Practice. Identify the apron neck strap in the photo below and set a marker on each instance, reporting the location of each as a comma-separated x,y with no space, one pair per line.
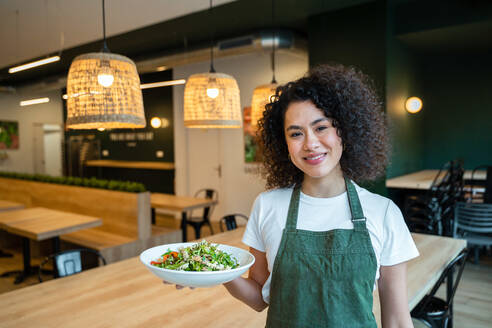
358,218
291,223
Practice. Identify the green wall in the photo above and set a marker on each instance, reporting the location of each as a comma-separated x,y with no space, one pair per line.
457,109
355,37
406,131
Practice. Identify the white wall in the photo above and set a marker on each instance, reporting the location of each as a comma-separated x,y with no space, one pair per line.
238,189
21,160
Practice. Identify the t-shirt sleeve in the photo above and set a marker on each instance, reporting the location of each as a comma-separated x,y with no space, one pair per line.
398,245
252,235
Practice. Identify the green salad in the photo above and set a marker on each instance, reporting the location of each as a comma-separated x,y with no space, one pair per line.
202,256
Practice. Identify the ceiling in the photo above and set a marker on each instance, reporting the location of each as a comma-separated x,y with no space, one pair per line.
141,38
29,29
163,27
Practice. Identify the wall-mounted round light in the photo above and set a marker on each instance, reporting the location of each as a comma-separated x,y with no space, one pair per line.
413,105
155,122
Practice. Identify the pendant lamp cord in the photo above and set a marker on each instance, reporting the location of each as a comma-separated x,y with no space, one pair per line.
105,46
212,69
273,43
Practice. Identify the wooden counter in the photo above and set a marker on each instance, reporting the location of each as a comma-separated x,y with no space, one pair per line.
131,164
126,294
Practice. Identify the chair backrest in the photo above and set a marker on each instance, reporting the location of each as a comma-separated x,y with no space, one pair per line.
210,194
458,263
473,217
69,262
228,222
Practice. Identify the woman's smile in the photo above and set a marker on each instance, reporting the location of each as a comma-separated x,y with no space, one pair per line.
315,159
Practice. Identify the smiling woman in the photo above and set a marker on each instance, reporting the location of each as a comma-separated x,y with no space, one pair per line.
320,241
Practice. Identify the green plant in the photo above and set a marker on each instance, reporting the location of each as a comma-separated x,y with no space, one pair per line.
93,182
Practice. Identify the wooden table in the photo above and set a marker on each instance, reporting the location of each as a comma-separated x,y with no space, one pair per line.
6,205
41,223
422,180
178,204
126,294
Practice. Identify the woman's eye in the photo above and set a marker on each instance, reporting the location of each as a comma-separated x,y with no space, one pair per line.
321,128
295,134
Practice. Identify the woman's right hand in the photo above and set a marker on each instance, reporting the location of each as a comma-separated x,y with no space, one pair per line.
177,286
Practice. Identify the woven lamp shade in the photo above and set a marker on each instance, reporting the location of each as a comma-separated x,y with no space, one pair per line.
203,111
90,105
261,97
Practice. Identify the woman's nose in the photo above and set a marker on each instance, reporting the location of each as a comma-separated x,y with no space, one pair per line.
311,142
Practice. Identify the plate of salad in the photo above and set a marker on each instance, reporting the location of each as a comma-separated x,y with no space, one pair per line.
201,264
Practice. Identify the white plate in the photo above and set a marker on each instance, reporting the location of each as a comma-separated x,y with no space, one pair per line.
193,278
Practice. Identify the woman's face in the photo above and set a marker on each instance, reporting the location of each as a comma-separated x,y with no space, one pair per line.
314,145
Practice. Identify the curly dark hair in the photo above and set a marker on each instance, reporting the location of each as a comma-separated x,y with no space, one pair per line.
345,95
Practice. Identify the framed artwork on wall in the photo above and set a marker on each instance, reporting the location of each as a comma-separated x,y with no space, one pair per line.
9,135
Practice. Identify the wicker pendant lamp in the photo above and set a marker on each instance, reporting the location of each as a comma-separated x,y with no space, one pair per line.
103,91
263,93
211,100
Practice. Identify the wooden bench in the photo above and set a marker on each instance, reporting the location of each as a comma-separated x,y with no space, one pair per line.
126,229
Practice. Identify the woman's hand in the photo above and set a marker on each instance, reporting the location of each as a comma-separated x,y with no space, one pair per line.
248,290
177,286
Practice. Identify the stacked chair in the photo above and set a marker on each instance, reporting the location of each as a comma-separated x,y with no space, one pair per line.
473,222
433,212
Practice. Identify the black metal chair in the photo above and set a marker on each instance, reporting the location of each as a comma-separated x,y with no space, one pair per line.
432,213
69,262
229,222
197,222
473,222
434,310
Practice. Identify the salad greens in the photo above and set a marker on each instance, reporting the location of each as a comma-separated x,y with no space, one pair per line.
202,256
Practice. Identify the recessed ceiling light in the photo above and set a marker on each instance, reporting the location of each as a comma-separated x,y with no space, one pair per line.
161,68
34,101
161,84
34,64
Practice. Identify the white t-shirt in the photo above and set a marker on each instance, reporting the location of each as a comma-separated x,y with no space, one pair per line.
389,234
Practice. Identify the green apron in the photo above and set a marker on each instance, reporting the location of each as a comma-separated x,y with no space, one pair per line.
323,278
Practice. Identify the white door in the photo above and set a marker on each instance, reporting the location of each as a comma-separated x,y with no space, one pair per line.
53,149
205,169
47,149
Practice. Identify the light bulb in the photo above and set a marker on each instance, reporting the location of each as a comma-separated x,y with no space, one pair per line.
413,105
155,122
105,79
212,92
